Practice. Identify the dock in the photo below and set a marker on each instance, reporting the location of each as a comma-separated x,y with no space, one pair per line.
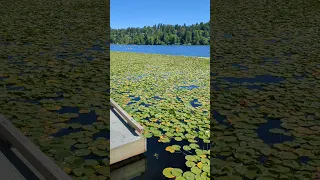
126,139
20,159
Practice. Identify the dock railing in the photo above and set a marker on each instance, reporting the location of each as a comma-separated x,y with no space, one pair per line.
127,117
32,156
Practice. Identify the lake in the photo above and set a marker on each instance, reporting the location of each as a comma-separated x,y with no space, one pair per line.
178,50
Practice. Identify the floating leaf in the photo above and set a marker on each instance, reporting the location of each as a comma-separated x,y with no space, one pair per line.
195,170
82,152
167,173
186,148
190,164
188,175
176,172
170,149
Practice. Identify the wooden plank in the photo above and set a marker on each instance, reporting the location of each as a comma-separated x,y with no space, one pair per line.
28,164
7,170
32,153
128,150
127,117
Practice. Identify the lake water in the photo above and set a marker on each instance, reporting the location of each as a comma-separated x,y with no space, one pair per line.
178,50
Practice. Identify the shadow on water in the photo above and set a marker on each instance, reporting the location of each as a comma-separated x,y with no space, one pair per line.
304,159
104,134
272,138
263,159
222,157
89,58
95,48
258,87
94,157
15,88
158,159
61,56
260,78
241,67
83,119
3,78
266,59
214,86
65,131
220,118
64,110
227,36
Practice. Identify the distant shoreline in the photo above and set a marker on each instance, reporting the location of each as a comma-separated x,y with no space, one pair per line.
162,54
156,45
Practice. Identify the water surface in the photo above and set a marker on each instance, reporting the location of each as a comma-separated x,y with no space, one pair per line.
178,50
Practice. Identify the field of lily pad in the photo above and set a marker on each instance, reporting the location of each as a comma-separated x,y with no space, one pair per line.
53,81
169,96
265,91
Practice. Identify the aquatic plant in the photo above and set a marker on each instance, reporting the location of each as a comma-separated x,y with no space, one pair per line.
166,118
49,89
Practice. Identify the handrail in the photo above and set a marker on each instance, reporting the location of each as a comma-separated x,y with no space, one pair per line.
33,154
127,117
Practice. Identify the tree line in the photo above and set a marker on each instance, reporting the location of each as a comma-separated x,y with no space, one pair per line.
161,34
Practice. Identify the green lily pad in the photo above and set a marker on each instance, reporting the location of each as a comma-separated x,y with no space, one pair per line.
103,171
186,148
190,164
167,173
82,152
176,172
188,175
195,170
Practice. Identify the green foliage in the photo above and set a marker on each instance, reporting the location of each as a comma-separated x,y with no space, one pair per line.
161,34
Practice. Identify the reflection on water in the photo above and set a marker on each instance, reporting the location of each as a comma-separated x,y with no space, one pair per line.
129,168
158,158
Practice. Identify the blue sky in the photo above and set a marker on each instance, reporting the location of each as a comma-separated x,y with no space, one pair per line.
139,13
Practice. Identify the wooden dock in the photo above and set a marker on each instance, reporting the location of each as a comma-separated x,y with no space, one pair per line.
20,159
126,138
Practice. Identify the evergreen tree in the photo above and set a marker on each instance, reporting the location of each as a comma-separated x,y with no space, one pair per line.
196,34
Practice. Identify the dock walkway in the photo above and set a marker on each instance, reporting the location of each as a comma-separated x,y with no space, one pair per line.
7,170
126,138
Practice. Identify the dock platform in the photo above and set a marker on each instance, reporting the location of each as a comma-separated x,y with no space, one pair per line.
126,139
20,159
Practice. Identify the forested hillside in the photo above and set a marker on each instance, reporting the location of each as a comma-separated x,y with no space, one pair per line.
161,34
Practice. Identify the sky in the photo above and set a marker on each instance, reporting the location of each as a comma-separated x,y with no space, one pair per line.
139,13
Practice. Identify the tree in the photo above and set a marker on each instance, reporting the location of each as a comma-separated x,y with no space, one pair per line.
196,34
